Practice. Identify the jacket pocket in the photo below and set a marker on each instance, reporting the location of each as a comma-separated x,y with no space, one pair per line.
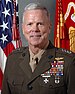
15,85
51,82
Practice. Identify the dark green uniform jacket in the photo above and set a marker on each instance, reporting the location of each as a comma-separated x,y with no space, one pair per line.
54,74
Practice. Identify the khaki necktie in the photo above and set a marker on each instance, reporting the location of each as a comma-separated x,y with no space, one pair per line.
33,64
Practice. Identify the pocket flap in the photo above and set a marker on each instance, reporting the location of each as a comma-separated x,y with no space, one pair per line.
16,81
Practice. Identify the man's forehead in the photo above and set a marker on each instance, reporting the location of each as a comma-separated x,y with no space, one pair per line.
35,11
37,14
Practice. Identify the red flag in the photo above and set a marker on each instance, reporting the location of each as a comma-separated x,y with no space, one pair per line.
65,24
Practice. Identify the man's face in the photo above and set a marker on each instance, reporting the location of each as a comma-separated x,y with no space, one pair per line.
36,27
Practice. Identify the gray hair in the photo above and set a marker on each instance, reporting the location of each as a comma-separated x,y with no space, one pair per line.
33,6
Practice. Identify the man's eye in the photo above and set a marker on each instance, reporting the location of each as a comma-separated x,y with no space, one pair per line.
29,24
40,23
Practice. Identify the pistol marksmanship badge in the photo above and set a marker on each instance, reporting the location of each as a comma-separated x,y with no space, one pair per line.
57,68
46,75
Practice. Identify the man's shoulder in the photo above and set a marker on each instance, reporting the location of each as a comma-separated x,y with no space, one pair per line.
18,50
65,52
67,55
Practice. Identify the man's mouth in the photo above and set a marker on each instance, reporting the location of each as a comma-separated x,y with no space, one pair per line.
35,36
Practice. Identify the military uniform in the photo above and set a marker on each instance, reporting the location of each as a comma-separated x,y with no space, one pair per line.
54,73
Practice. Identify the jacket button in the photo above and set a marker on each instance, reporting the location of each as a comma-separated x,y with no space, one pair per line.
50,86
13,83
23,54
30,87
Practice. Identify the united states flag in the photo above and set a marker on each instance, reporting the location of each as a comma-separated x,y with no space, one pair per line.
9,33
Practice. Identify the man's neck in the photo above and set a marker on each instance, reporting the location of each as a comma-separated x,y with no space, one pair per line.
36,49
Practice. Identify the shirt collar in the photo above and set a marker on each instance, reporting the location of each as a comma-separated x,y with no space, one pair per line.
39,54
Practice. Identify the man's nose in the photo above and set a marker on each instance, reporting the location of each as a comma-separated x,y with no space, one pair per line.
35,28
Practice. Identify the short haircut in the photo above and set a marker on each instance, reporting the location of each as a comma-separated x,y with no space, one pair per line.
34,6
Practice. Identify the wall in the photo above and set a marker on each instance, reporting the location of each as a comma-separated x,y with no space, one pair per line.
50,4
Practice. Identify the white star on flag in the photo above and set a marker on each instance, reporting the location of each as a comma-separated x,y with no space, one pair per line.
4,38
4,25
7,1
6,12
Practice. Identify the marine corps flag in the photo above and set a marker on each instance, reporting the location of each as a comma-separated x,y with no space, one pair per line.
64,35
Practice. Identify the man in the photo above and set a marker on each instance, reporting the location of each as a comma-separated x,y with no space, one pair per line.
39,68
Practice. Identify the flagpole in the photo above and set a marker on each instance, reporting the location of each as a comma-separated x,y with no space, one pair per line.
15,28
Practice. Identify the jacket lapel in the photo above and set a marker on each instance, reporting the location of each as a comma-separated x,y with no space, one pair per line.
44,64
24,64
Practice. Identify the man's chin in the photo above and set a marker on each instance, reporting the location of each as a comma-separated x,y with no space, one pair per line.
35,43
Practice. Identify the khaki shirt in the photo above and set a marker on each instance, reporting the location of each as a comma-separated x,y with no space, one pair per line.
33,57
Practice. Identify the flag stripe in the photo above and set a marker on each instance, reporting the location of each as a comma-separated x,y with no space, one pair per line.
8,49
1,77
2,60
